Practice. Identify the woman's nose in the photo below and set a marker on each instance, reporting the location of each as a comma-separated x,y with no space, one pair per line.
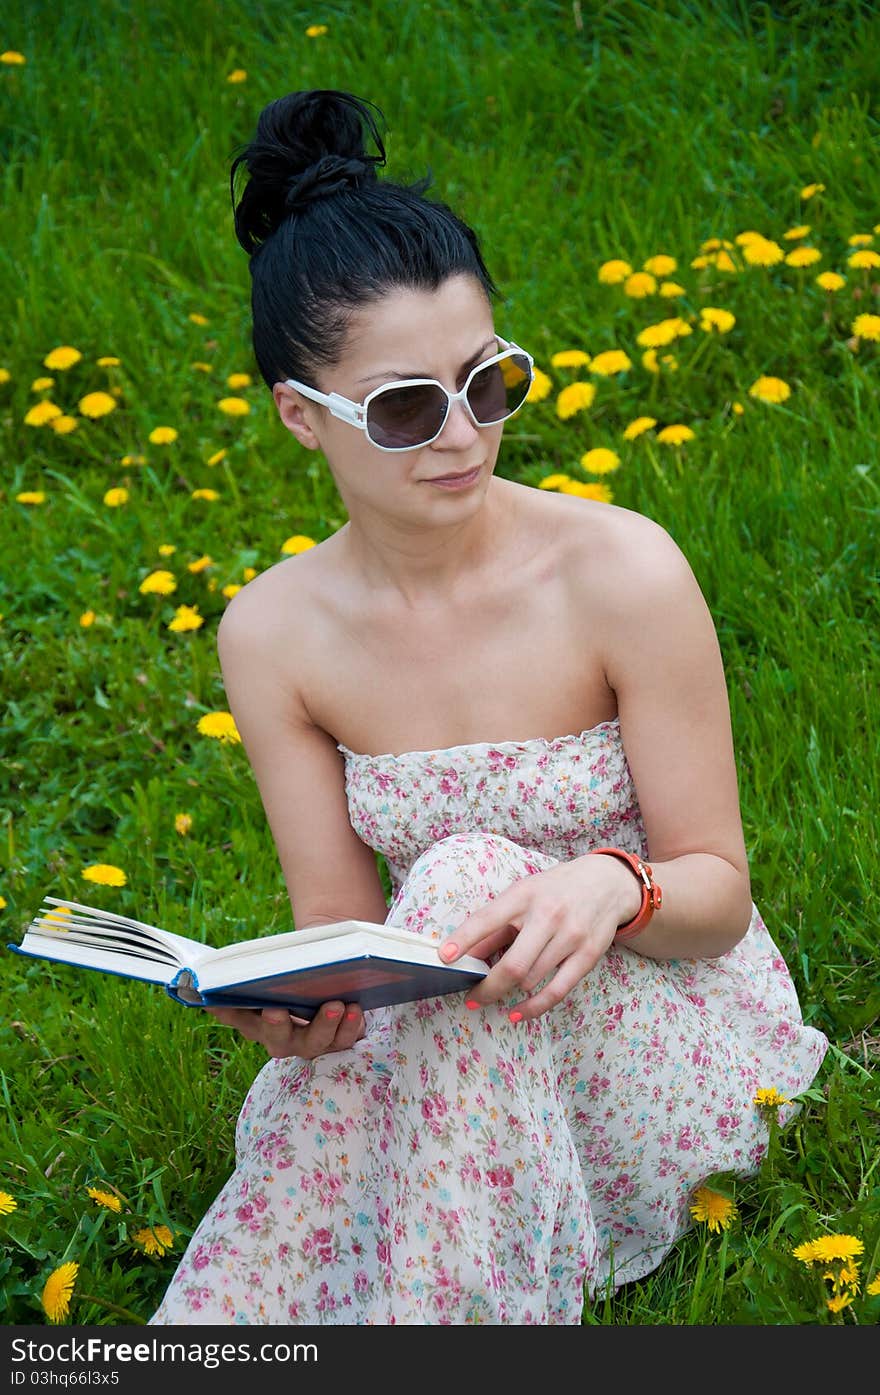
458,428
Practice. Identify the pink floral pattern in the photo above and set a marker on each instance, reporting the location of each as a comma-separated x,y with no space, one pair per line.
453,1167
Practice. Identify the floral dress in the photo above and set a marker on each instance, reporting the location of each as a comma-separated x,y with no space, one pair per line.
454,1167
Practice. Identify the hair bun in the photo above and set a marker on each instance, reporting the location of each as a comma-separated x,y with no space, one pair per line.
327,176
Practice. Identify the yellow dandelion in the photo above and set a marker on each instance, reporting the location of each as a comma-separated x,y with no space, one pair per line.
63,357
40,384
744,238
575,397
638,427
249,573
238,380
163,435
569,358
847,1276
768,389
724,262
864,261
860,239
614,272
230,590
830,281
59,915
867,327
714,318
698,263
554,481
299,542
57,1291
873,1287
541,386
5,375
166,549
658,335
675,435
203,367
186,617
106,1199
315,31
609,362
12,57
220,725
97,404
63,425
41,413
737,408
792,234
198,319
209,494
8,1204
839,1302
105,874
200,564
769,1099
671,288
237,75
640,284
31,496
153,1240
108,361
133,460
216,457
182,823
713,1209
803,256
234,406
582,490
115,498
158,583
600,460
809,191
842,1247
763,251
87,618
661,265
714,244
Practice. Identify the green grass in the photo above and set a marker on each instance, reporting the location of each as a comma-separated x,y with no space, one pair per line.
566,135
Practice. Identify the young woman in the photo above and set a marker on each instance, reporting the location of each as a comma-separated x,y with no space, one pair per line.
518,699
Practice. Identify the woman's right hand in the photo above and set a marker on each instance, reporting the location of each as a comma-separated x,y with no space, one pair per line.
335,1027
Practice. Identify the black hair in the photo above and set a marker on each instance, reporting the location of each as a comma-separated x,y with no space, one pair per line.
325,237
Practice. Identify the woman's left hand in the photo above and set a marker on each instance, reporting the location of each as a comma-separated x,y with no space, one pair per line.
557,922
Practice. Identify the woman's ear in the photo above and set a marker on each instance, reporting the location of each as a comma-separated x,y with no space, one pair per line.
295,411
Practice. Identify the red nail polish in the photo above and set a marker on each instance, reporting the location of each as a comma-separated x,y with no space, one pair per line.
515,1016
471,1004
350,1016
333,1013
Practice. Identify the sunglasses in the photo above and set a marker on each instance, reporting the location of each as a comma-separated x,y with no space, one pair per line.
410,413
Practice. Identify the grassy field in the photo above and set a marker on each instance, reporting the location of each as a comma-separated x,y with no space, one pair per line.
569,136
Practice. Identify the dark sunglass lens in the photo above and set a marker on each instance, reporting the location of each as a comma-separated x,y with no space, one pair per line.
406,416
496,391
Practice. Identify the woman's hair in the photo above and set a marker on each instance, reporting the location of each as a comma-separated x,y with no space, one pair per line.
326,237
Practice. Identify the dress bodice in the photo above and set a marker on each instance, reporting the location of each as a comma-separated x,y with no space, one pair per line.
560,795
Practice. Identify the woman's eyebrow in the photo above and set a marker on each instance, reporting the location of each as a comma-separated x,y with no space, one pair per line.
396,373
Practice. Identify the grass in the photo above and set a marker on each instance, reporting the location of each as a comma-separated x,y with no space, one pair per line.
567,135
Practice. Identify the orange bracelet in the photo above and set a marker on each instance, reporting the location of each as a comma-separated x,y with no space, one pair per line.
652,896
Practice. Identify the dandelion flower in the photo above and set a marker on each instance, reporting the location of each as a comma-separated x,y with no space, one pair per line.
31,496
569,358
575,397
97,404
203,367
108,361
860,239
873,1287
186,617
762,251
238,380
867,327
107,1199
182,823
640,284
554,481
671,288
133,460
315,31
597,491
768,389
610,362
713,1209
230,590
5,375
299,542
154,1240
839,1302
803,231
769,1099
158,583
712,317
57,1291
803,256
613,272
220,725
237,75
661,265
540,387
12,57
163,435
831,1247
200,564
600,460
830,281
216,457
657,336
198,319
675,435
105,874
65,356
249,573
41,413
209,494
63,425
724,262
87,618
234,406
809,191
115,498
40,384
8,1204
864,261
166,549
58,915
638,427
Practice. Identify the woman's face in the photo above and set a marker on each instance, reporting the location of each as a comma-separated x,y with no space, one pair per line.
438,334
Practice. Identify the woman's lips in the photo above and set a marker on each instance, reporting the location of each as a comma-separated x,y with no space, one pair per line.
456,481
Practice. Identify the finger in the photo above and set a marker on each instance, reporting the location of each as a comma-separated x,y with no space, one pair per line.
498,918
320,1034
552,993
351,1027
244,1020
513,969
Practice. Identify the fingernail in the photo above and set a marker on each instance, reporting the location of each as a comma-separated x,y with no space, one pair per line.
449,951
333,1013
515,1016
351,1015
471,1004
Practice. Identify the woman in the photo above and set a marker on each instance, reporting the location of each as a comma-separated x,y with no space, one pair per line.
517,698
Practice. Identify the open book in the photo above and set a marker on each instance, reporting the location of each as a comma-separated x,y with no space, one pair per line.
354,961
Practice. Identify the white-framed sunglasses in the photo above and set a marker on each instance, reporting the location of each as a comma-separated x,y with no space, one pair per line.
412,411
